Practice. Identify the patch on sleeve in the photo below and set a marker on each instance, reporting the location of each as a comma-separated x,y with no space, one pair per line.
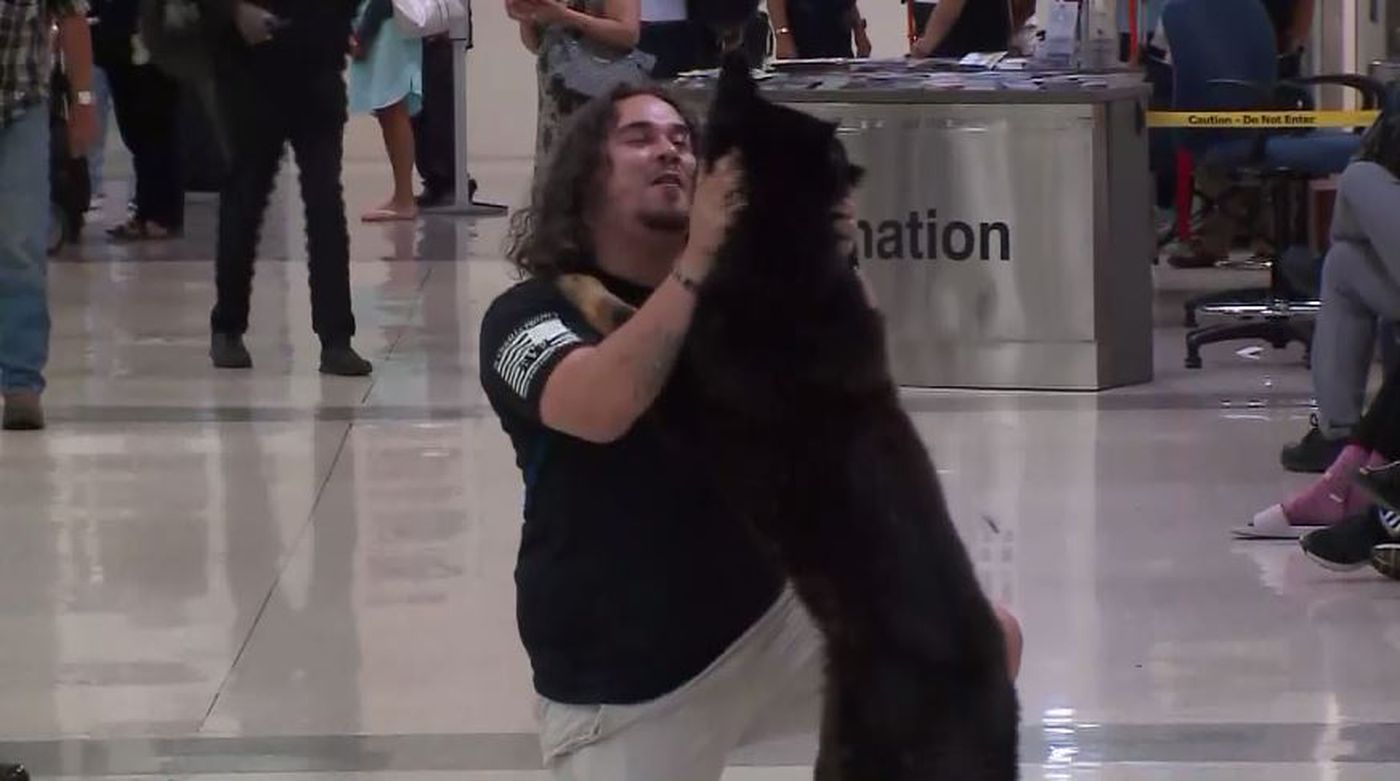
528,348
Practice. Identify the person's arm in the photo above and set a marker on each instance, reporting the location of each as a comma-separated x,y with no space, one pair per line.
522,12
597,393
858,30
530,36
75,41
940,22
620,26
377,12
784,45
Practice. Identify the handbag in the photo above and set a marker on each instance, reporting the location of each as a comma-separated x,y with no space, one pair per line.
426,18
587,69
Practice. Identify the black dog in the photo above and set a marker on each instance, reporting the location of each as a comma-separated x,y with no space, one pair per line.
786,358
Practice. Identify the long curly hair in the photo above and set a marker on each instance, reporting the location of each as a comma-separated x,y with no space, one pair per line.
552,236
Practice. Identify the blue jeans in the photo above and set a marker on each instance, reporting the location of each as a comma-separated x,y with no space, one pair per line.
24,222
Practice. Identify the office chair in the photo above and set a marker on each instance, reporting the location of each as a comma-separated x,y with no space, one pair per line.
1224,58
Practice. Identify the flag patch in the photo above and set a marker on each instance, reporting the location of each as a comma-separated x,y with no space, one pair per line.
528,347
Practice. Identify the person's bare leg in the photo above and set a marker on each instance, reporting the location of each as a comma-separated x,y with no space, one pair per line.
397,127
1015,642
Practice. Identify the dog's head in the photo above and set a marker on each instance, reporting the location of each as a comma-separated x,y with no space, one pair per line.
796,170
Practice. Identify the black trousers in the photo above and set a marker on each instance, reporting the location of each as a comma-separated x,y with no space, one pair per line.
1379,429
677,46
269,103
820,29
434,133
147,103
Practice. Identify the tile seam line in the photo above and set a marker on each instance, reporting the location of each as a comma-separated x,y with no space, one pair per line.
277,580
399,337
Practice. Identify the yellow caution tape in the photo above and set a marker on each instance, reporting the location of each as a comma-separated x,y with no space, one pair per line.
1260,119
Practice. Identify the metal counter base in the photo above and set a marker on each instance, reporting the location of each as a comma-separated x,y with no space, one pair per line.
1005,218
1009,244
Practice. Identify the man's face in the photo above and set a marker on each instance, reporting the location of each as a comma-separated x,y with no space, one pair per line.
651,175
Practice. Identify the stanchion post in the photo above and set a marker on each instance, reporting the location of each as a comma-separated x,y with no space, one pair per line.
463,204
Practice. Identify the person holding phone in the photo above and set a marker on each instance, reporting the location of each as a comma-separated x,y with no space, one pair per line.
280,70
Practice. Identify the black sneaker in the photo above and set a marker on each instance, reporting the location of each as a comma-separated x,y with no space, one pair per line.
1381,484
433,197
342,361
1314,453
1385,559
10,772
227,352
1347,545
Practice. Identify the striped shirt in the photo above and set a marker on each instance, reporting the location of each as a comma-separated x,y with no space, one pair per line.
25,56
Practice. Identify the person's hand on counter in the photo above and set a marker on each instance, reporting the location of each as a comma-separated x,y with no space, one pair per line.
784,47
862,36
921,48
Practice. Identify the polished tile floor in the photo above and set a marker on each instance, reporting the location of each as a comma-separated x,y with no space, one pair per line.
205,575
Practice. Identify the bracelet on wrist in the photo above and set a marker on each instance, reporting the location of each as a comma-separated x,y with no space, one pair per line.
782,31
687,282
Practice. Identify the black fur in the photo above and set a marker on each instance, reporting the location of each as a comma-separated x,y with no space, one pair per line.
788,362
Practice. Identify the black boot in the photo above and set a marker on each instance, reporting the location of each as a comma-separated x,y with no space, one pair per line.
227,352
10,772
340,359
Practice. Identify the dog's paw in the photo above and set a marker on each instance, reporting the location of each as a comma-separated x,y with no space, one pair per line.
602,310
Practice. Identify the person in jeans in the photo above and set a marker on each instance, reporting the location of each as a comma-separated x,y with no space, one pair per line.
279,70
661,634
1360,287
26,59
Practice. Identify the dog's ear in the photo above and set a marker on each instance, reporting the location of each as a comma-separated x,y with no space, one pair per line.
733,101
736,84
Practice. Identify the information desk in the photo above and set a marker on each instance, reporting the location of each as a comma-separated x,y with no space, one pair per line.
1005,218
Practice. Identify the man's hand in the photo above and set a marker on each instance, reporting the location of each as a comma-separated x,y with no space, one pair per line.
719,196
520,10
863,47
545,12
784,47
254,24
921,48
82,129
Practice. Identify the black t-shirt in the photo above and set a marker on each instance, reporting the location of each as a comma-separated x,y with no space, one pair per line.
630,579
983,26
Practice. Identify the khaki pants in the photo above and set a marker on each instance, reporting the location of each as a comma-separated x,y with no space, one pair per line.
766,685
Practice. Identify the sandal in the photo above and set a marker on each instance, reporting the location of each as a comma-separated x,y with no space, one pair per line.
136,229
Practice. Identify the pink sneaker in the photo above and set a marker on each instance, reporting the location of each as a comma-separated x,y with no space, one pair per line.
1329,500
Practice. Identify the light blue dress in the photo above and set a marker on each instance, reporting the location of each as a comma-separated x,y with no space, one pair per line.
392,71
